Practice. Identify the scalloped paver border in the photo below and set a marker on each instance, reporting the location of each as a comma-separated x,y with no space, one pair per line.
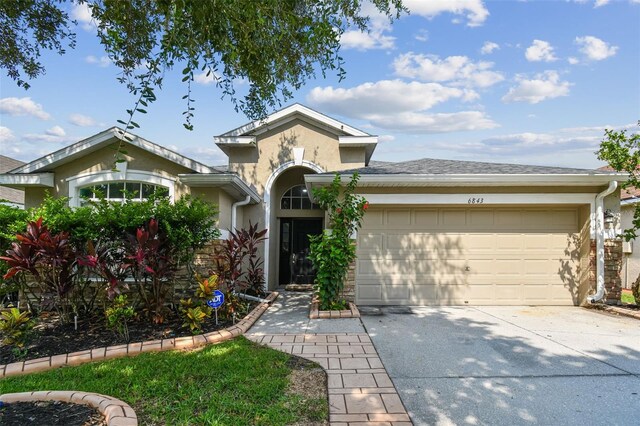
131,349
116,412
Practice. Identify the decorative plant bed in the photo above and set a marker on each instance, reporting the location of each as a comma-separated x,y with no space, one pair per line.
66,408
315,313
52,337
100,352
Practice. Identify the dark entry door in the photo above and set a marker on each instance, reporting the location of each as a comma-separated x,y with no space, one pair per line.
295,266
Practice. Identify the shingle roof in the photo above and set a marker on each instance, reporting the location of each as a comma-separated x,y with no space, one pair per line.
10,194
432,166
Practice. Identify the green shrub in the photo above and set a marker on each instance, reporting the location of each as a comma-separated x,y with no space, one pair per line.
119,314
15,327
333,251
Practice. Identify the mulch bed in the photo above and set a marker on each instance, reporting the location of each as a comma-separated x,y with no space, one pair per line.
52,338
50,413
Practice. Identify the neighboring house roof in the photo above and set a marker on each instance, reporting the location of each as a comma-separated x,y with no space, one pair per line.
429,171
13,196
97,141
628,195
348,136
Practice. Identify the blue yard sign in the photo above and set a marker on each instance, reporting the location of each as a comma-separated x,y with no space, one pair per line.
217,301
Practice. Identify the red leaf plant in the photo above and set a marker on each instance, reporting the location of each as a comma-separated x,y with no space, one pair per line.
51,262
150,259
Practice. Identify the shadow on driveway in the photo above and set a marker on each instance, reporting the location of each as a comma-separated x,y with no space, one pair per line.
511,365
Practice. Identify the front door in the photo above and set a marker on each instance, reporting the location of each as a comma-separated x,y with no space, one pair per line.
295,266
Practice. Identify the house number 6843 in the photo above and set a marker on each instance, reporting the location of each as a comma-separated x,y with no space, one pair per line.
476,200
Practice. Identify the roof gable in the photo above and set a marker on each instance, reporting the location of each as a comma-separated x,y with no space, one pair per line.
97,141
290,113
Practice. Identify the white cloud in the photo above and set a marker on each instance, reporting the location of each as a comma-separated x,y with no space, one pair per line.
540,50
423,35
375,38
474,10
81,120
205,79
382,97
489,47
594,48
600,3
418,122
82,14
102,61
208,155
56,131
573,60
386,138
459,70
6,135
398,105
21,107
542,87
560,144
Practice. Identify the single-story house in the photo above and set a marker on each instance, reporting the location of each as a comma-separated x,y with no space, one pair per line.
9,196
438,232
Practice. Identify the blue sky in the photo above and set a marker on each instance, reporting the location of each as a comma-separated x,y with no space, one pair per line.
530,82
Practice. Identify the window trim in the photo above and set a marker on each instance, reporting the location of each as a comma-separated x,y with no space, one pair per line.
313,207
121,175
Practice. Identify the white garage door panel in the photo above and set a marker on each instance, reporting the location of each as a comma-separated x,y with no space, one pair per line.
467,256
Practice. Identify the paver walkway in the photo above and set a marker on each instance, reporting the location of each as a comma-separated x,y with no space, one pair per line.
360,391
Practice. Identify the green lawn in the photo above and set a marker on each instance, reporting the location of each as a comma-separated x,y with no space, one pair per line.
627,298
233,383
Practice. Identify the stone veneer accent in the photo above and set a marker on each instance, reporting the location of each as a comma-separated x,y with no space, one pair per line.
349,289
612,268
118,351
116,412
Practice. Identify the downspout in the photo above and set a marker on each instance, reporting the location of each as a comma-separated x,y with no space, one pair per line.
600,242
234,211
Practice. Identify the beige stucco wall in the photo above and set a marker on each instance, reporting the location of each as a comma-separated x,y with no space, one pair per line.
273,149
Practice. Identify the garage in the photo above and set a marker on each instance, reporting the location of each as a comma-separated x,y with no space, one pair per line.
479,255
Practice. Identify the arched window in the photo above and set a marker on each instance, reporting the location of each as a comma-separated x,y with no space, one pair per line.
118,185
120,191
297,198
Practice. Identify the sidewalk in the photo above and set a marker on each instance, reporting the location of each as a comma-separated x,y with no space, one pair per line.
360,390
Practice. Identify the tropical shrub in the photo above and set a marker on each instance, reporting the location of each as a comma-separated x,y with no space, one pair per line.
151,260
15,327
237,263
194,315
50,260
119,314
333,251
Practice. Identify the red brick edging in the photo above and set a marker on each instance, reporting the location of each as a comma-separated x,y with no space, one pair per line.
116,412
315,313
615,310
118,351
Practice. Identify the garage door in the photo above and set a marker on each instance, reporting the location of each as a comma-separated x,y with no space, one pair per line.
475,256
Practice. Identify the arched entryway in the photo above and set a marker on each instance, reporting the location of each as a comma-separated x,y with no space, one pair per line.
293,217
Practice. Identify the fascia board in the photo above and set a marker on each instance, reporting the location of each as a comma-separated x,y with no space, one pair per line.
232,184
24,180
78,149
475,179
295,108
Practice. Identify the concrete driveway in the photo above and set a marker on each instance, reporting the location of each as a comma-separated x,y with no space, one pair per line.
511,365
